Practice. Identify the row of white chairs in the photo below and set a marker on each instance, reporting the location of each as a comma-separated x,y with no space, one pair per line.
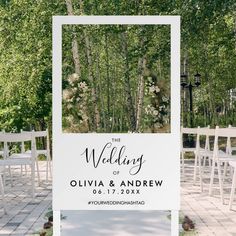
216,156
26,158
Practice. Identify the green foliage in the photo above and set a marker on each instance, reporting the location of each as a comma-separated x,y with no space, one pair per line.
207,32
25,68
115,73
190,233
46,232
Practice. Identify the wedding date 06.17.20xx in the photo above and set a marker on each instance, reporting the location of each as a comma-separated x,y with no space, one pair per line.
115,191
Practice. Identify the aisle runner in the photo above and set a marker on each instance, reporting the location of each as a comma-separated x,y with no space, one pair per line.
115,223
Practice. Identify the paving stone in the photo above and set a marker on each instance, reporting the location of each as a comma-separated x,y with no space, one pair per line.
211,217
23,213
19,218
32,203
12,224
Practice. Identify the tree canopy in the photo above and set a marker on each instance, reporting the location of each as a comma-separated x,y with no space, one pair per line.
208,34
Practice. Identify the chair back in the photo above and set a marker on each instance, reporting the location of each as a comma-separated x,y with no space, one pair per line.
38,134
228,133
7,138
15,137
232,127
2,147
43,134
204,132
187,131
230,149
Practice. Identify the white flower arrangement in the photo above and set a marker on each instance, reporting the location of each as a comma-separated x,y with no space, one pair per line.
153,89
72,79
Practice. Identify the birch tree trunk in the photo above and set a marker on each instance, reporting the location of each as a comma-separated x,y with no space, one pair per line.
210,90
115,117
76,59
75,50
129,99
96,120
141,84
235,29
101,97
140,96
108,81
69,7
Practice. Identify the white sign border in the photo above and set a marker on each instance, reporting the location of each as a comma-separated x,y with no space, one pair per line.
173,21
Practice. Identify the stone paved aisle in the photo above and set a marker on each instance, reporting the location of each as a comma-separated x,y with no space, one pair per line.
25,216
209,214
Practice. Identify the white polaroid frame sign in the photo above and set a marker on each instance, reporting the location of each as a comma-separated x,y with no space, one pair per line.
153,183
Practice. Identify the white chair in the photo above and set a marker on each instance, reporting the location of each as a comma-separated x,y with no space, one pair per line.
187,132
233,164
5,153
22,155
229,149
14,159
221,157
45,152
205,152
2,191
2,151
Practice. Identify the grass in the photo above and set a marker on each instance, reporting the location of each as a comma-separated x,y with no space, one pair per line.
46,232
188,233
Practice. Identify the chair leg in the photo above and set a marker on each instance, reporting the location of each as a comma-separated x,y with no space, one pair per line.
204,161
195,168
231,171
3,195
33,180
210,162
38,175
50,167
26,169
204,164
21,170
220,181
232,190
47,168
200,173
212,177
9,169
182,158
224,172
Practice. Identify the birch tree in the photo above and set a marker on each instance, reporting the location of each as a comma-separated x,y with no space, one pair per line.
129,98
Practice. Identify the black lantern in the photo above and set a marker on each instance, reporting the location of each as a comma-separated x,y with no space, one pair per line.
197,79
188,85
